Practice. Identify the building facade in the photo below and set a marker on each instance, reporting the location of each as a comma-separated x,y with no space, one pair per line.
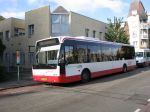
138,25
42,23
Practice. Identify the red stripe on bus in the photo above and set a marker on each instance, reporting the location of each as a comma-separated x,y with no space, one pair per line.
57,79
68,79
108,72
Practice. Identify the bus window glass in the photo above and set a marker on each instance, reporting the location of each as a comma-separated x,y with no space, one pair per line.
139,54
82,53
93,53
69,57
114,52
47,57
52,57
106,52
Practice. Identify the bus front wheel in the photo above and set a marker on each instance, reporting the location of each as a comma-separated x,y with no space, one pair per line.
85,76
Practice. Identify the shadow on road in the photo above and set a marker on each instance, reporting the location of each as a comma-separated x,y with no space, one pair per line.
107,78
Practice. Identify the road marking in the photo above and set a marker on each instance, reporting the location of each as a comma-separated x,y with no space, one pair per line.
148,100
137,110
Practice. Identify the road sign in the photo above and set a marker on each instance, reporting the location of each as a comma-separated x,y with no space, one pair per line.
18,57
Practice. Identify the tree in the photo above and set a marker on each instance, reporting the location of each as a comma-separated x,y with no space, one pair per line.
1,18
2,48
116,33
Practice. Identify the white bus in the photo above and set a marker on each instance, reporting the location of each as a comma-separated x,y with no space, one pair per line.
142,57
70,59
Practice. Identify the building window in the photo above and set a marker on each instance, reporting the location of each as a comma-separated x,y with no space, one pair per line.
100,35
13,58
7,59
31,58
60,24
7,33
86,32
1,35
22,58
30,30
135,43
19,32
94,33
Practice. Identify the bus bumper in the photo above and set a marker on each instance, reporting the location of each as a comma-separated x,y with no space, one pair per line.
56,79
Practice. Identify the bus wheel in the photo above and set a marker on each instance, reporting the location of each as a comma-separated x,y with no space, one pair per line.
124,69
85,76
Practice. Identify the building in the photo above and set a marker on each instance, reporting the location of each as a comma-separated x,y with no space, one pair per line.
42,23
139,28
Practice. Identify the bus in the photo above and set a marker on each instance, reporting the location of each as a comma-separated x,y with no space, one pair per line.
142,57
70,59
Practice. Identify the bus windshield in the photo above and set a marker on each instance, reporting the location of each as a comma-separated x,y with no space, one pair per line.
139,54
47,57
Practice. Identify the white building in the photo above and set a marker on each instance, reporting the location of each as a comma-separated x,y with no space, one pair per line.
139,29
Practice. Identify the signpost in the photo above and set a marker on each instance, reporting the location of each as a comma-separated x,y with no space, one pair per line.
18,63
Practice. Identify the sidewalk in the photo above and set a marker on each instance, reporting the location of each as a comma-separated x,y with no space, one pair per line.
11,82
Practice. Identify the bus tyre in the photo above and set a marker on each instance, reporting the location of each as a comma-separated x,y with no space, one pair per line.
124,69
85,76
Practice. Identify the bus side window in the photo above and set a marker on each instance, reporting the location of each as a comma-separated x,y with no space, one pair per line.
62,55
82,53
69,57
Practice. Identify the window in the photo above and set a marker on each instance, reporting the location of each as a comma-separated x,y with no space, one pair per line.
56,19
135,43
31,29
94,53
86,32
60,24
14,58
7,59
142,42
100,35
19,32
107,52
94,33
115,50
31,58
69,54
7,33
1,35
22,58
82,53
127,52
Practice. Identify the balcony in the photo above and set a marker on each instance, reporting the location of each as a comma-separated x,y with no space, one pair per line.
144,36
144,26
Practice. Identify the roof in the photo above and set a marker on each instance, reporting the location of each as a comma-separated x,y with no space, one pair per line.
137,5
60,9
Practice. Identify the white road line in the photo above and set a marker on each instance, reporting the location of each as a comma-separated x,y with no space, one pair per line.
148,100
137,110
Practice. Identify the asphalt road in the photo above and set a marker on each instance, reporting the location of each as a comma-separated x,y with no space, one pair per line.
124,92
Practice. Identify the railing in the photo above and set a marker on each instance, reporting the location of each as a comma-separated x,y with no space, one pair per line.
144,36
144,26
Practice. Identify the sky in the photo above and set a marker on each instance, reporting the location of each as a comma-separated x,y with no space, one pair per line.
98,9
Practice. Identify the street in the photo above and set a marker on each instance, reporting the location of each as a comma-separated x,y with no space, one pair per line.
123,92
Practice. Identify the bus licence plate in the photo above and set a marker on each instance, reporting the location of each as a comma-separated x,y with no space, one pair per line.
44,79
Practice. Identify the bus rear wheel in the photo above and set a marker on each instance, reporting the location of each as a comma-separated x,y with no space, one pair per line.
85,76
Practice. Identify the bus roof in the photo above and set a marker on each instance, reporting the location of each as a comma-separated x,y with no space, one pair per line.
83,38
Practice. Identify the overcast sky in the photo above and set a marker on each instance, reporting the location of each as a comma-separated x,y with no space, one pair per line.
97,9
